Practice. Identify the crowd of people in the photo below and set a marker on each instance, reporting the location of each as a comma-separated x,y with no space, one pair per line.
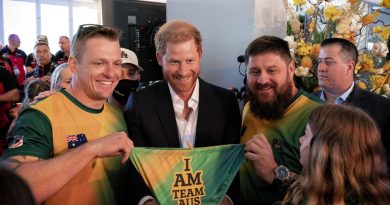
71,144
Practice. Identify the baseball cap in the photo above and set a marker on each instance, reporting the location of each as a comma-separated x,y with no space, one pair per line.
129,56
41,39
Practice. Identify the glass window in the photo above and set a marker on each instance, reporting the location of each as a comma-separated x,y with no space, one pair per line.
85,13
52,18
20,19
54,23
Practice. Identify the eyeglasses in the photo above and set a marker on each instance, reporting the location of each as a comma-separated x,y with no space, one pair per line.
85,29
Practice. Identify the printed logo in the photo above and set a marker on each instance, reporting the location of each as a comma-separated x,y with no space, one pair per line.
15,141
188,187
76,140
277,144
124,54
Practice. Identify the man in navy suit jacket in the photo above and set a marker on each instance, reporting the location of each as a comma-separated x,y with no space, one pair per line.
336,66
182,110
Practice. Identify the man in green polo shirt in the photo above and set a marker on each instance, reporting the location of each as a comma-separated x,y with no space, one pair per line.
70,145
273,120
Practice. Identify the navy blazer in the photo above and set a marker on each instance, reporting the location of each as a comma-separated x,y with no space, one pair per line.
151,122
377,107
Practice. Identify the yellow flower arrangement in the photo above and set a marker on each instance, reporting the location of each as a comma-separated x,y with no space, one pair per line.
312,21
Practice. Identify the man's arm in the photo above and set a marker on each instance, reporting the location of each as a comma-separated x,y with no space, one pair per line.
138,189
46,177
10,86
10,96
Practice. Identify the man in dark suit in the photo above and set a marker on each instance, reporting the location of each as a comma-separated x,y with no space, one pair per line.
183,110
336,66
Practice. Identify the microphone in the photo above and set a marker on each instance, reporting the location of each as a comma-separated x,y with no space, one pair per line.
241,59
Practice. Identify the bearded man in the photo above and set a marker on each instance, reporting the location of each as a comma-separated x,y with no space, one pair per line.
273,121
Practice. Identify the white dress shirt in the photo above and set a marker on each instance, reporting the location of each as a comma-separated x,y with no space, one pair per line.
186,127
342,98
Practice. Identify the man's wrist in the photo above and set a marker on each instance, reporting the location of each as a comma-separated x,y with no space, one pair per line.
145,199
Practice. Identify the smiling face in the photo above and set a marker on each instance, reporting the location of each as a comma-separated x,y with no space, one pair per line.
268,76
304,149
97,72
270,85
181,66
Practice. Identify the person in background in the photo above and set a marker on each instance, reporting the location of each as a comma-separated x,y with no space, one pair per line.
61,77
63,54
16,57
336,70
31,90
131,75
45,66
31,62
69,146
273,120
183,110
9,96
343,160
14,190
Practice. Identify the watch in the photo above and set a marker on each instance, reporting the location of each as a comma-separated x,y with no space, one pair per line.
282,173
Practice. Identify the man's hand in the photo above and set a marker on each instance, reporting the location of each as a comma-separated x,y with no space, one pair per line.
112,145
226,201
259,151
14,112
46,78
42,95
151,202
28,80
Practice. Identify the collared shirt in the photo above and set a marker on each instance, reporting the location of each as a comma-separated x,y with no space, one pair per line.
342,98
186,127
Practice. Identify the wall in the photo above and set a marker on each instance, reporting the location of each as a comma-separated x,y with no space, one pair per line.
227,27
138,20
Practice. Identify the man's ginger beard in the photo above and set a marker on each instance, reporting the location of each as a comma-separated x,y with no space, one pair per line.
274,109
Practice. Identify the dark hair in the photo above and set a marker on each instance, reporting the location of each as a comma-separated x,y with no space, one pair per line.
33,89
13,189
348,49
268,44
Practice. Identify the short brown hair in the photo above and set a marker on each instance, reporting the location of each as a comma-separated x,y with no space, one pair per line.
176,31
88,31
268,44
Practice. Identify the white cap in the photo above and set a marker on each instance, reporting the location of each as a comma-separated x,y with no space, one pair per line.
129,56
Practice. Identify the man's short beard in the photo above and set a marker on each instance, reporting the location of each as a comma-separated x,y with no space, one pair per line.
272,110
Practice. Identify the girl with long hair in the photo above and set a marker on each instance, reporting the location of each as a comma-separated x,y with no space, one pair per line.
343,160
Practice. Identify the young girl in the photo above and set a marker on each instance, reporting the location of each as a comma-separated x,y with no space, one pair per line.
343,160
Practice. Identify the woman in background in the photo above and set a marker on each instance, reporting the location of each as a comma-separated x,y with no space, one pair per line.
61,77
343,160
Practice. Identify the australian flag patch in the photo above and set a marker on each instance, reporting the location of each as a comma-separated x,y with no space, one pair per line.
76,140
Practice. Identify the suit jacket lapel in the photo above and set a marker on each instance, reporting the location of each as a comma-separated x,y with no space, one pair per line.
355,97
167,115
205,113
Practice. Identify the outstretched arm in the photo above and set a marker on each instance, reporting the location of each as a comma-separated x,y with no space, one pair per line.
46,177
